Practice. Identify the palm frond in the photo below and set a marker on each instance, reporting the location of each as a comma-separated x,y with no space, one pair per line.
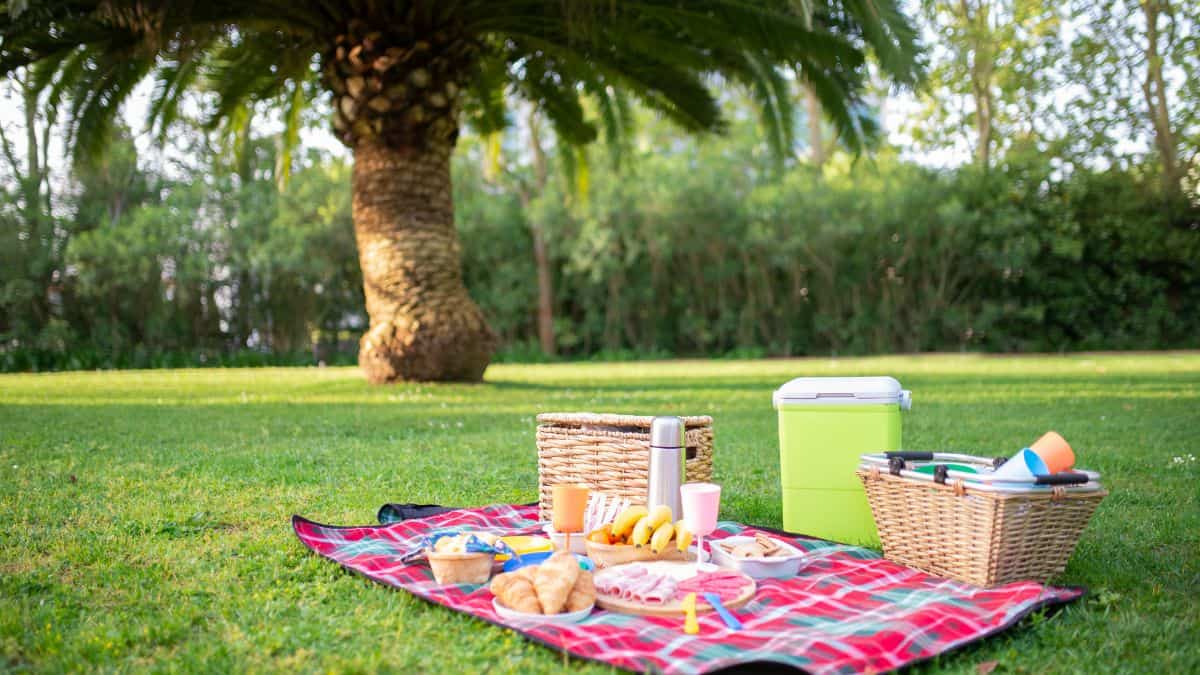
172,82
557,98
290,140
96,96
664,53
854,125
483,102
773,97
252,68
616,120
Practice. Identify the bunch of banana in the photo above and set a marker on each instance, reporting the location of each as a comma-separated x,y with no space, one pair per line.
639,526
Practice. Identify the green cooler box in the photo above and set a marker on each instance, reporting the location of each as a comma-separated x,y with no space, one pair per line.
825,423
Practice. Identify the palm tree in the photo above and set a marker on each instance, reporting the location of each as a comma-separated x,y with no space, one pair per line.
402,75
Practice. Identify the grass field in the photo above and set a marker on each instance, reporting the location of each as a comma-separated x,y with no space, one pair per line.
145,515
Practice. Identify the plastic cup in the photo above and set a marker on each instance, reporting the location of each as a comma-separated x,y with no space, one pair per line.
569,502
1024,467
1054,451
700,502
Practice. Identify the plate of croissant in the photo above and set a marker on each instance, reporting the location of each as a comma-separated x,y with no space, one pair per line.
556,591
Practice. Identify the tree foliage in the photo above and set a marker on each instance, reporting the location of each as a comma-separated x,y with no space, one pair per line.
92,54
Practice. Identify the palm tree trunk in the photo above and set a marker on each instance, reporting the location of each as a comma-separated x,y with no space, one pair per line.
424,326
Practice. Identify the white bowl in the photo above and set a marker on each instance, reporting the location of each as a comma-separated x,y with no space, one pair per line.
578,539
774,567
565,617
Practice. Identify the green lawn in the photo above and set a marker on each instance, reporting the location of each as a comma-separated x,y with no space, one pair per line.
146,513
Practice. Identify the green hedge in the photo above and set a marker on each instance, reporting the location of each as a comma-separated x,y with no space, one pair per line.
694,255
699,250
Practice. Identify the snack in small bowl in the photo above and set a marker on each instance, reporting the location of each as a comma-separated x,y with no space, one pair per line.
462,557
758,556
556,591
761,546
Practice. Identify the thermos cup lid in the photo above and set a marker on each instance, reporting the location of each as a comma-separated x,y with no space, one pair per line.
666,432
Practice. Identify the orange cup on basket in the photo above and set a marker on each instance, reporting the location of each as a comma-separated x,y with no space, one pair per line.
569,502
1054,451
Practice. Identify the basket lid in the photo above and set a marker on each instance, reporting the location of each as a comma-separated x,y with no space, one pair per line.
615,420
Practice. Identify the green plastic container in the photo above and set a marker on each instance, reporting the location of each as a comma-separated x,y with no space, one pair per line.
825,423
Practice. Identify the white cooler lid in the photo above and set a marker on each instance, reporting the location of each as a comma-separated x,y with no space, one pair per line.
842,391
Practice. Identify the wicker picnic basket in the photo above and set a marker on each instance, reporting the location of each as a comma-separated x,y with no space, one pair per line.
980,537
610,453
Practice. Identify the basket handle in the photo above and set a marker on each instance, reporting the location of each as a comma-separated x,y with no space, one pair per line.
909,455
1062,478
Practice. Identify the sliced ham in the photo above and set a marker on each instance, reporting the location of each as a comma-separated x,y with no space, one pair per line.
636,583
663,591
726,584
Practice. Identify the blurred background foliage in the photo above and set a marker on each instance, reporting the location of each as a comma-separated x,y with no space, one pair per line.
1065,219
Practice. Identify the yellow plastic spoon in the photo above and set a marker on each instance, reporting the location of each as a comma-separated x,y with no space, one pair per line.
690,625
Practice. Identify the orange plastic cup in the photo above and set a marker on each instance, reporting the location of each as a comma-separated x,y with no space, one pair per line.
1054,451
569,502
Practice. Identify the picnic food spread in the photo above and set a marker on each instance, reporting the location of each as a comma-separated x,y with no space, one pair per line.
661,588
634,495
557,585
644,554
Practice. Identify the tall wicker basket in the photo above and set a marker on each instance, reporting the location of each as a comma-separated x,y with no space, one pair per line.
610,453
977,536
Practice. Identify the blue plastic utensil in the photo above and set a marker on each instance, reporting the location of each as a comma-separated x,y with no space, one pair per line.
730,620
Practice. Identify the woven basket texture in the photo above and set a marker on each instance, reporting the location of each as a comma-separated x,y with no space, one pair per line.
610,453
978,537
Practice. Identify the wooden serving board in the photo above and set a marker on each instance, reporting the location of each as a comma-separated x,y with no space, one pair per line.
674,608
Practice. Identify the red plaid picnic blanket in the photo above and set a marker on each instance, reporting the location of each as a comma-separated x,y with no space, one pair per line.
847,611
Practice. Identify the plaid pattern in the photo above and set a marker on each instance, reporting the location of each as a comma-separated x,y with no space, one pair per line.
847,611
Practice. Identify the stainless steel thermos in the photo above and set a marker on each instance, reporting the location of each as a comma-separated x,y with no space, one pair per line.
667,456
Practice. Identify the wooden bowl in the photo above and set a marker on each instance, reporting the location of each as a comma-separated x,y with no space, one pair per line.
461,568
609,555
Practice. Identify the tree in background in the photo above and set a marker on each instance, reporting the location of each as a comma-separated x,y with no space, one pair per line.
989,81
33,239
400,73
1138,67
529,188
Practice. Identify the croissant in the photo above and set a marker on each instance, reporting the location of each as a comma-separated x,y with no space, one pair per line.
515,591
583,595
554,580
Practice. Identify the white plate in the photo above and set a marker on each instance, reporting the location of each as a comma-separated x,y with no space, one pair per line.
514,615
775,567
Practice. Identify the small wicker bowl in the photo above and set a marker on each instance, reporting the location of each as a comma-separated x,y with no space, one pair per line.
461,568
610,555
